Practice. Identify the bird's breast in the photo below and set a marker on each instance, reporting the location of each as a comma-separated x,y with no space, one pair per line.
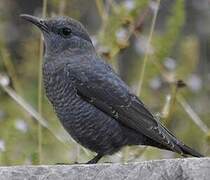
86,124
59,90
62,93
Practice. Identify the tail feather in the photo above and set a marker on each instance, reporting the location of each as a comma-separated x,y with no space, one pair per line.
189,151
178,146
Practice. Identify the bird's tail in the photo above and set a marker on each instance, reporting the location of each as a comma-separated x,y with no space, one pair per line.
180,147
189,151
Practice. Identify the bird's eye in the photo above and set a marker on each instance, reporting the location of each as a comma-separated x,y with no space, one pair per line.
65,32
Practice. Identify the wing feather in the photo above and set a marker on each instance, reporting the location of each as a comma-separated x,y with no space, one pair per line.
103,88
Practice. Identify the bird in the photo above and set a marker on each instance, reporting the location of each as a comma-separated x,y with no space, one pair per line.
92,102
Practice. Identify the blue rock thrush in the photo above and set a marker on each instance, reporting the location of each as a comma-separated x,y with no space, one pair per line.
93,104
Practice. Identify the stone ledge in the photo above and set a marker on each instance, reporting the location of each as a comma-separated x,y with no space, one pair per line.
168,169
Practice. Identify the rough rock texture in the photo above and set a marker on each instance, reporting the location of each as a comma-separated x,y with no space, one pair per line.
169,169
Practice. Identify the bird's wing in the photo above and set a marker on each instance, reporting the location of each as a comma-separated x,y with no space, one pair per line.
103,88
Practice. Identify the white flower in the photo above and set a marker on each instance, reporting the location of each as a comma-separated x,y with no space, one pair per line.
129,4
170,64
194,82
153,6
21,125
121,34
155,83
4,80
142,46
2,146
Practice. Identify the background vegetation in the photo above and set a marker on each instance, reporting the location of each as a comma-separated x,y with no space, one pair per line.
160,48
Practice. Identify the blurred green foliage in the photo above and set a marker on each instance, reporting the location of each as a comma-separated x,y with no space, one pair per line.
173,55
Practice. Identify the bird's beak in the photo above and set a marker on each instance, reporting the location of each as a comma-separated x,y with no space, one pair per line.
36,21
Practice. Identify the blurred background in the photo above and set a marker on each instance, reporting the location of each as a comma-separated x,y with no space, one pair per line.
160,48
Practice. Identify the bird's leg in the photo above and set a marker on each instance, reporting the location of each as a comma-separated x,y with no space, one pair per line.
95,159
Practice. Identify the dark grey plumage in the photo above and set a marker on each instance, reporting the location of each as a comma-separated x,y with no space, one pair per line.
94,105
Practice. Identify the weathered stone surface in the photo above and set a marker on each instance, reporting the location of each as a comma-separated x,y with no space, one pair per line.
169,169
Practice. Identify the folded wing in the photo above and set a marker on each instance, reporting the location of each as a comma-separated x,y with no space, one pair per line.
100,86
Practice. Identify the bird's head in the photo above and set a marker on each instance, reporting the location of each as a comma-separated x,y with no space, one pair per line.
62,35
